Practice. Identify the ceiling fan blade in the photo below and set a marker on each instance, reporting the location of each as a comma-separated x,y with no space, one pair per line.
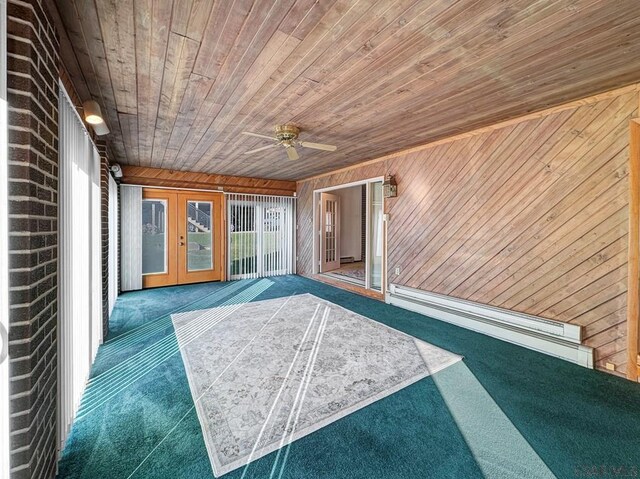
318,146
260,149
258,135
292,153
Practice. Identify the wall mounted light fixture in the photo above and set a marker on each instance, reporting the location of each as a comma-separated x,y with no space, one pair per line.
116,170
93,116
101,129
389,187
92,112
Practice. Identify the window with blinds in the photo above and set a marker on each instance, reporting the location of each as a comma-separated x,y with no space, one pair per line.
4,254
113,243
261,235
80,266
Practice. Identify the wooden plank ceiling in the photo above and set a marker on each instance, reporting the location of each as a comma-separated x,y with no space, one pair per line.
179,80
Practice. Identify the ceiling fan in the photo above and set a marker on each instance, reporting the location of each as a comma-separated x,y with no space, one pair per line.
287,136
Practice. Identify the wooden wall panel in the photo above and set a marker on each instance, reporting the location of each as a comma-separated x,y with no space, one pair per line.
145,176
531,216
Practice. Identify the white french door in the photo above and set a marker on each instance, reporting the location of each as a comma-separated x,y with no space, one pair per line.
329,232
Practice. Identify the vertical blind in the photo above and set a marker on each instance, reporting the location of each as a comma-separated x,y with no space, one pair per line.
4,254
80,291
113,243
131,237
261,232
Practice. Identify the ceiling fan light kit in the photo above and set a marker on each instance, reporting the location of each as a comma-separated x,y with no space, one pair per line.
287,136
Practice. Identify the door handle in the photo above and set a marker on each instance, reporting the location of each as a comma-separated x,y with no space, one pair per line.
4,337
181,243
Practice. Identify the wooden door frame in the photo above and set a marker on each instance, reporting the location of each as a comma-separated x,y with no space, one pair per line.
218,232
170,277
633,272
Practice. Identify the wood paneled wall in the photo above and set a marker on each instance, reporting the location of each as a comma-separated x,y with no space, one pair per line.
530,216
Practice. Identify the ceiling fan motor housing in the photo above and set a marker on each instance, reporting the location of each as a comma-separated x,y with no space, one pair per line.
287,133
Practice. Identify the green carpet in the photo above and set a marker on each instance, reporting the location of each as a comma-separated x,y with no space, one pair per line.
504,411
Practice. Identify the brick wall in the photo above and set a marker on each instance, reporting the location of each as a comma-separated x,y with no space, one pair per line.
32,81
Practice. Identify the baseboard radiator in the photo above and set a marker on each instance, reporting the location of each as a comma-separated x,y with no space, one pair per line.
554,338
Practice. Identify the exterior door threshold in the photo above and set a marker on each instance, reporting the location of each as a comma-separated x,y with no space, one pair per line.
348,286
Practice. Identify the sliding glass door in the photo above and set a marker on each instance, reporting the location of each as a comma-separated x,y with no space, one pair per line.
375,236
261,235
243,238
361,207
277,233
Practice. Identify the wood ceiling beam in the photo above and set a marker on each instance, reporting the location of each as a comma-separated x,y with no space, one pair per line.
139,175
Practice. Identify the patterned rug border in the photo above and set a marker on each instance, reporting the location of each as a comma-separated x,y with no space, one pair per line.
219,469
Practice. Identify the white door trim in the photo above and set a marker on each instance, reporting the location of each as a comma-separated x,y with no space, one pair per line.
367,243
348,185
315,267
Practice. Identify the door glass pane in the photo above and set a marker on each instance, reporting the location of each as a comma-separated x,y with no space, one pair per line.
330,232
199,236
375,236
243,238
154,236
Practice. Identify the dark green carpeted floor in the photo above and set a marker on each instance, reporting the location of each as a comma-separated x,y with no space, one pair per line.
503,412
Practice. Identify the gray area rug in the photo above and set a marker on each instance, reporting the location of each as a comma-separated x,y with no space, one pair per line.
267,373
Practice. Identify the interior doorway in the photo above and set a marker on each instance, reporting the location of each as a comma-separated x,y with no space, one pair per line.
349,240
330,237
182,237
